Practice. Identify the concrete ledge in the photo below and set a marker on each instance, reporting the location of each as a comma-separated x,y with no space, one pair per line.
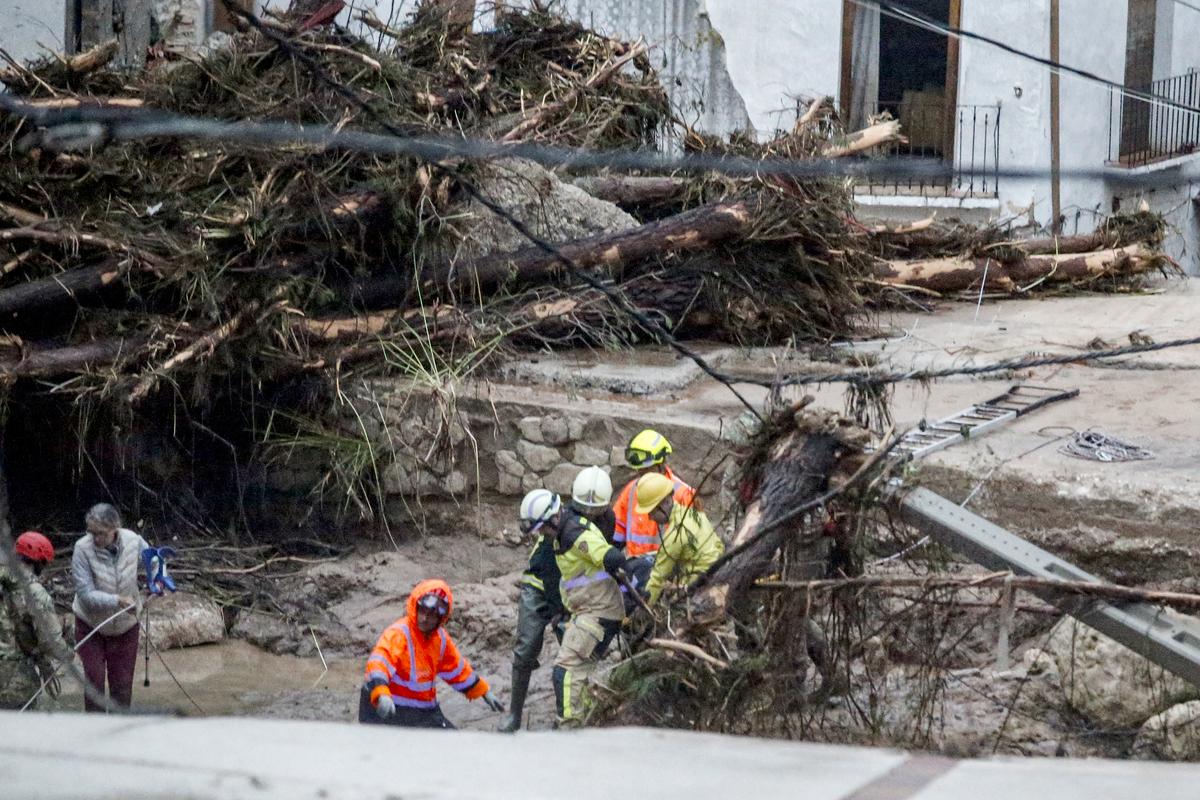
921,201
78,756
92,756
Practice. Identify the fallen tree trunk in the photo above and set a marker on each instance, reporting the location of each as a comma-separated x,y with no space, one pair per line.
73,358
631,189
961,274
926,239
696,229
1080,243
66,286
818,451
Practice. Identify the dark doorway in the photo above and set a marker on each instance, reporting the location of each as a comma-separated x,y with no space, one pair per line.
913,77
1139,74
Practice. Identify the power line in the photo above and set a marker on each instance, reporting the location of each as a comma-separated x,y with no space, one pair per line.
924,21
868,378
84,127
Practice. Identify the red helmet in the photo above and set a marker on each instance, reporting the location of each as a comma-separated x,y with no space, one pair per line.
35,547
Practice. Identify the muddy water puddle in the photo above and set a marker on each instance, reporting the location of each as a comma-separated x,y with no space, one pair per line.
234,678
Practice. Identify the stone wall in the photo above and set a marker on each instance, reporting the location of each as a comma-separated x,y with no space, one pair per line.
489,449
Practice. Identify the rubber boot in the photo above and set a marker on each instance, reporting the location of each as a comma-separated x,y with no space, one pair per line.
520,687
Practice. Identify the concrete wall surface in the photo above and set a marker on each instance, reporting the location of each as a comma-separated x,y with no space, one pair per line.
78,756
30,23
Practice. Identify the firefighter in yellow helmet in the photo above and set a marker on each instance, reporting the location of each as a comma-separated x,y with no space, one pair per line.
689,544
636,533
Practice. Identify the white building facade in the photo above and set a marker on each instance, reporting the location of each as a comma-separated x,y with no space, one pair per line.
969,102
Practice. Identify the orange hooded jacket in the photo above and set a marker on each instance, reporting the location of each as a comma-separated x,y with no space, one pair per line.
637,532
406,663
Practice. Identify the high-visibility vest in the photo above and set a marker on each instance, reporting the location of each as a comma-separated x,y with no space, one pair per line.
690,546
406,664
637,532
587,587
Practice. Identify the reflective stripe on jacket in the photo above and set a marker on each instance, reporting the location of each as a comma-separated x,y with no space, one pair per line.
406,663
690,546
542,572
584,559
637,532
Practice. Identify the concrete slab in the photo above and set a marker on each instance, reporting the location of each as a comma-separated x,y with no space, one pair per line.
1062,779
80,756
46,756
654,372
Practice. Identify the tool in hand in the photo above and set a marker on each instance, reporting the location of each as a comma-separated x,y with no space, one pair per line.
154,559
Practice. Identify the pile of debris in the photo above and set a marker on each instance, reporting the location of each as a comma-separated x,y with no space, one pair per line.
225,282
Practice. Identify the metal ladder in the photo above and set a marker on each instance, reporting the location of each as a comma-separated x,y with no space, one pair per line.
977,420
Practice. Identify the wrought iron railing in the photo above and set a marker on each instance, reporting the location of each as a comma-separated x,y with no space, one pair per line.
968,138
1143,131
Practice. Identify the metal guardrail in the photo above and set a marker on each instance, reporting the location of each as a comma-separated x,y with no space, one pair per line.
968,137
1143,131
1170,640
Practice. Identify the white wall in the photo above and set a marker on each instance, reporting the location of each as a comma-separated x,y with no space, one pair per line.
28,23
1092,38
690,54
990,76
778,51
1185,37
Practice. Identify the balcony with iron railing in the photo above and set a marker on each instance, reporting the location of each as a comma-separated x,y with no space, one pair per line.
965,136
1142,131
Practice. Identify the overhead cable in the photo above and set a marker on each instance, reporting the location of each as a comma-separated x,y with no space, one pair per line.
87,126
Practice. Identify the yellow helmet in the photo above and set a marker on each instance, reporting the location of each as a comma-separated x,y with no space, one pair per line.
647,449
652,489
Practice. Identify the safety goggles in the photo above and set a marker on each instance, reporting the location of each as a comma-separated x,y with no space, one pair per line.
638,458
434,603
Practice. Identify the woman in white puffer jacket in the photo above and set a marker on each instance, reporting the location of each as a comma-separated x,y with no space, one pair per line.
105,566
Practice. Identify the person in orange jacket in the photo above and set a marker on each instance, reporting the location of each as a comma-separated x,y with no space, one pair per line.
402,672
637,533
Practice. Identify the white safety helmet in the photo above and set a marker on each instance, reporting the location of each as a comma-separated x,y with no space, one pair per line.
537,507
592,488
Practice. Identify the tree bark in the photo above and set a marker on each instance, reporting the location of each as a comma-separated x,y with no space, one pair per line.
961,274
927,239
696,229
630,189
73,358
1081,243
65,287
799,470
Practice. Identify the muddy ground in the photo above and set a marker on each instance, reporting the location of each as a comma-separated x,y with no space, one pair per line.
1135,523
309,663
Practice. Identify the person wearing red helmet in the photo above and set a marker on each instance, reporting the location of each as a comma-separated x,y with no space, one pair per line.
26,655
